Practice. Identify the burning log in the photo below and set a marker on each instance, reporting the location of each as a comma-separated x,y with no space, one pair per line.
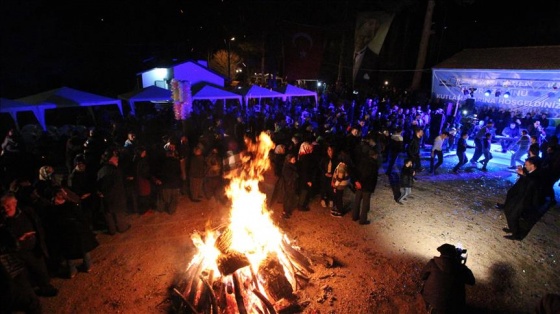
185,301
300,261
273,278
265,301
286,306
230,262
248,266
192,280
213,299
240,300
223,242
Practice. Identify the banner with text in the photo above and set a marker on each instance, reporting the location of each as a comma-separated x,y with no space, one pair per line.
522,90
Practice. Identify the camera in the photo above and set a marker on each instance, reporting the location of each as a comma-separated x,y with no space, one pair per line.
462,255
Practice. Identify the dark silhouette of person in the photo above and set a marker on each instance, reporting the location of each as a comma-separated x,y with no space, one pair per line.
525,200
444,279
16,292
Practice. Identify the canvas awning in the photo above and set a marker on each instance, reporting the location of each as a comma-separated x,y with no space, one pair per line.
13,107
258,92
65,97
294,91
150,93
214,93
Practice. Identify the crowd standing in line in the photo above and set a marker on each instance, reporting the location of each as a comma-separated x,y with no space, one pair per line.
143,165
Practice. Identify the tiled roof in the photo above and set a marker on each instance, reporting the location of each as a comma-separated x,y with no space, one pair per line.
519,58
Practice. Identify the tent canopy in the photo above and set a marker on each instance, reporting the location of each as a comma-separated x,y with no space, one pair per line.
294,91
64,97
211,92
256,91
150,93
12,107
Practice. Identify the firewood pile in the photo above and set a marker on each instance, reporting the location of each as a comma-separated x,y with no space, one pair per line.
239,287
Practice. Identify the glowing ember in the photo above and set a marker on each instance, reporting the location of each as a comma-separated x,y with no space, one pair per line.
249,266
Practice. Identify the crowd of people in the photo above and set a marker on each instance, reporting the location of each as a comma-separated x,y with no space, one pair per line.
140,165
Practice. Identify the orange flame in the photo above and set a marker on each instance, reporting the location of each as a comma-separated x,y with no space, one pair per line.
252,230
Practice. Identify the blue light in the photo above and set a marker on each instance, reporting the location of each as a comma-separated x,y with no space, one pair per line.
487,93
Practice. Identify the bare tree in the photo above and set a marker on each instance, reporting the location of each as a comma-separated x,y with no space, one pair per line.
219,62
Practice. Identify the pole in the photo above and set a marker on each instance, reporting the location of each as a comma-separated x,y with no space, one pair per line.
229,61
422,50
229,58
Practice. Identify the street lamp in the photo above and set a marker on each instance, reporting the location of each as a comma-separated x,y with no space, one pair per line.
229,57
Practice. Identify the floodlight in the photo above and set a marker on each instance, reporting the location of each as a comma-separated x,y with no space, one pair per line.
487,93
507,94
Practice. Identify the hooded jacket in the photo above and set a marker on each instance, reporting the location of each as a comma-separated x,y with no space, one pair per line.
444,283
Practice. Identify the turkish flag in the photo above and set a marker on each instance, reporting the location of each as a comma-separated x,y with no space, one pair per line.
303,51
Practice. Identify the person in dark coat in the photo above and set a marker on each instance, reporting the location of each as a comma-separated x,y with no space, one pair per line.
74,236
395,183
461,149
413,149
126,163
444,279
479,139
486,151
365,183
16,292
110,187
213,180
143,180
184,151
327,164
196,174
290,176
81,183
169,179
306,168
45,184
395,147
407,175
524,201
277,159
74,147
24,224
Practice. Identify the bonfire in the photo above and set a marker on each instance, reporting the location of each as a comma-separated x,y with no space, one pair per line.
249,265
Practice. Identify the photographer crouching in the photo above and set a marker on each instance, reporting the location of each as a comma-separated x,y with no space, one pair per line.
444,279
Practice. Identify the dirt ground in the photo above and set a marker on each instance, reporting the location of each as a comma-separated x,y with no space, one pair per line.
377,267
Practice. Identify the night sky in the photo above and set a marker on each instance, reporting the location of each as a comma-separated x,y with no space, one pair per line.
99,46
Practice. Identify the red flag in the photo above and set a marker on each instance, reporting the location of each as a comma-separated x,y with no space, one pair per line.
303,51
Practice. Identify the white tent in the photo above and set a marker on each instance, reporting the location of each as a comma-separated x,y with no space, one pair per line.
210,92
293,91
13,107
65,97
214,93
150,93
258,93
